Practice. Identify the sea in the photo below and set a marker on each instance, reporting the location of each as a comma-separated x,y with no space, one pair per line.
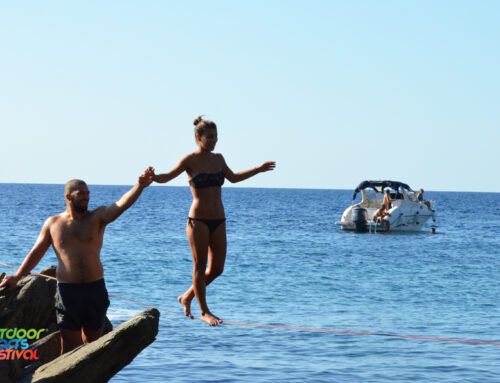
289,265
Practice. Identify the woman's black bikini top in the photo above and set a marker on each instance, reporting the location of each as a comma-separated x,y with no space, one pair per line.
204,180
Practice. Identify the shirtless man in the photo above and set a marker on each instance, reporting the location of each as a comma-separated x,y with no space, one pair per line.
76,236
387,200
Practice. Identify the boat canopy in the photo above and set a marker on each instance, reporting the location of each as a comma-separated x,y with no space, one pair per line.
379,186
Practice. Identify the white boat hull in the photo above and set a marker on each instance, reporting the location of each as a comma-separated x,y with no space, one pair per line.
405,215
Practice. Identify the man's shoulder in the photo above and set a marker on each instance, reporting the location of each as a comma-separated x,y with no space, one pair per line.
98,212
56,218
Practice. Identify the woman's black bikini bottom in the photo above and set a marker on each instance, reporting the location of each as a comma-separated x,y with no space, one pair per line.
212,224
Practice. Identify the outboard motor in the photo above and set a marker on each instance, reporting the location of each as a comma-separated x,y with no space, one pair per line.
359,217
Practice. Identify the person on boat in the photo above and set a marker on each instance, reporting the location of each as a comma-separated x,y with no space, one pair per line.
381,213
76,235
420,197
387,201
206,224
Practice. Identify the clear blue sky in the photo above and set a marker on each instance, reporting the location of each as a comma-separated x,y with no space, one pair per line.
334,91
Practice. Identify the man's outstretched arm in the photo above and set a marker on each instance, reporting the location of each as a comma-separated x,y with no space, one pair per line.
110,213
37,252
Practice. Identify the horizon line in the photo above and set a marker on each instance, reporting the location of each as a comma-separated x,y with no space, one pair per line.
246,187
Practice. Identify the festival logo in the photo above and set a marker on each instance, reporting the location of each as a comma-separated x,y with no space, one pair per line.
14,343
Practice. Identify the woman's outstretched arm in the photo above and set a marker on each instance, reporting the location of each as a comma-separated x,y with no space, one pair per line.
178,169
243,175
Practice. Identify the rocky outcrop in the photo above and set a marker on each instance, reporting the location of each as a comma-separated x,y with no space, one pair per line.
31,306
98,361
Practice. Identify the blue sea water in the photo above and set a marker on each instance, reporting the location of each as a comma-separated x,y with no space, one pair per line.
288,264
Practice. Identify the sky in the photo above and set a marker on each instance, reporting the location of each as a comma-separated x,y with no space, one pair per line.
336,92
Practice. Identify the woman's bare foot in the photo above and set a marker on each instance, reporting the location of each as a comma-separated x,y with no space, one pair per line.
212,320
186,303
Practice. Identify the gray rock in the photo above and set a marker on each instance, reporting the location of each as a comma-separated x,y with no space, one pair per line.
49,271
49,347
30,304
10,371
5,296
99,361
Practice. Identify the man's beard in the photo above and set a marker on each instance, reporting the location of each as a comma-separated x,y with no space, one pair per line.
78,208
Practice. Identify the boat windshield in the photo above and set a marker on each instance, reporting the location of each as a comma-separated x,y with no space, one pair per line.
412,196
371,194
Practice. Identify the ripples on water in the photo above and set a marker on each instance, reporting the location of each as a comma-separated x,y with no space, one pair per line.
289,265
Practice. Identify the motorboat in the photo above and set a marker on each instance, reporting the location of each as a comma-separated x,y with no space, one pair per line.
406,212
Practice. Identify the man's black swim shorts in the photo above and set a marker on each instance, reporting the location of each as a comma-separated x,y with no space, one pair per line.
81,305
